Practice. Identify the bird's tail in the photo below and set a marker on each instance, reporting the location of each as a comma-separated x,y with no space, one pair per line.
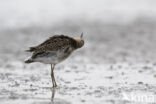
31,49
28,61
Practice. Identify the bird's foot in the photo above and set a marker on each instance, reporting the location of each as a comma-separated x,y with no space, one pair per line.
54,85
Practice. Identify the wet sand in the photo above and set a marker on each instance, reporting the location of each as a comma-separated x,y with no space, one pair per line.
117,62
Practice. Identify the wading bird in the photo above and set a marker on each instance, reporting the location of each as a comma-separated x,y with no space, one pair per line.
54,50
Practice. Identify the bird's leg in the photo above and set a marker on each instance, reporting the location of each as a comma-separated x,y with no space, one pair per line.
55,85
52,75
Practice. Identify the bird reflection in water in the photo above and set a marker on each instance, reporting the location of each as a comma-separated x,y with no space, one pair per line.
53,90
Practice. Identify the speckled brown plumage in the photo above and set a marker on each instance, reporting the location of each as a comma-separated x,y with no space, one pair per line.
54,50
54,43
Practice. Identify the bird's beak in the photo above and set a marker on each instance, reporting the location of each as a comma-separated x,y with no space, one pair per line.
81,35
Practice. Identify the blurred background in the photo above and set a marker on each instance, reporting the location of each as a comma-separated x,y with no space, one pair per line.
120,38
51,12
123,22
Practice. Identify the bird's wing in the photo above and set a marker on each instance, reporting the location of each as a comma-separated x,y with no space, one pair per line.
54,43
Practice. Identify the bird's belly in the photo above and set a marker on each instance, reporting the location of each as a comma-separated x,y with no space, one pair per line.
53,58
48,60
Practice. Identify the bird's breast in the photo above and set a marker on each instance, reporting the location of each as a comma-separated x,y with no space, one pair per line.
65,53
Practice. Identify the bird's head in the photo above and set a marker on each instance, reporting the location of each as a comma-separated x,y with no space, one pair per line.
79,41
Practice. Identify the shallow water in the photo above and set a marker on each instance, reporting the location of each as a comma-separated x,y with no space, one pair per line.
117,66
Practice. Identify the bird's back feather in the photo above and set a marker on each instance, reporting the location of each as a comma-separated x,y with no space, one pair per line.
54,43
